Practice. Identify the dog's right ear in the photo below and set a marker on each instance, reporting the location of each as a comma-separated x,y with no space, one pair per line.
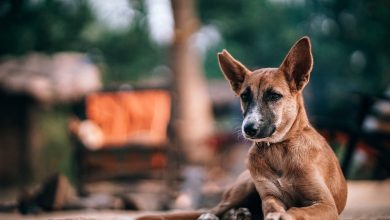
298,64
233,70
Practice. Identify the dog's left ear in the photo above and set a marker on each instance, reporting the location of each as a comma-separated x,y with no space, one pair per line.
298,64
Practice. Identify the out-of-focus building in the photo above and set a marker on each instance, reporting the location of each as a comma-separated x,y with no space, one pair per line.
30,81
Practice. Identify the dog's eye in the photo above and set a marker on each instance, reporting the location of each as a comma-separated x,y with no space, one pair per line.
245,96
273,96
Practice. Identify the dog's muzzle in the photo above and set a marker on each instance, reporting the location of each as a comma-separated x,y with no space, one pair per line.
255,131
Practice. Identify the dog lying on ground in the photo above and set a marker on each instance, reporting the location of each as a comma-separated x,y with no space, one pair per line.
292,172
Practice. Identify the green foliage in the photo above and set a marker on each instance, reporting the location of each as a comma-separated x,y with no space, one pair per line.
53,25
130,55
46,26
257,32
350,42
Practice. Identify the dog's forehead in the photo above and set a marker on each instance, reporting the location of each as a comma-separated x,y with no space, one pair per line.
266,78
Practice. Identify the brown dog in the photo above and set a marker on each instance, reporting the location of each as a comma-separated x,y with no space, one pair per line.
292,172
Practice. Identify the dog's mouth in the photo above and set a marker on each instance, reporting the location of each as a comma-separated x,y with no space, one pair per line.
253,133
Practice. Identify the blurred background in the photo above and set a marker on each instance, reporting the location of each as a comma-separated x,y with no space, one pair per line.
124,101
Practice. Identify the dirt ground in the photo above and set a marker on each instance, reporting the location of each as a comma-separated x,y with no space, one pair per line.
367,200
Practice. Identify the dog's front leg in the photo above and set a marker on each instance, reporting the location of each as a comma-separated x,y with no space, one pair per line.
236,194
319,200
315,211
322,206
273,208
234,197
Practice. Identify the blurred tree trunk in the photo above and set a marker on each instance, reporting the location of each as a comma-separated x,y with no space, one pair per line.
194,120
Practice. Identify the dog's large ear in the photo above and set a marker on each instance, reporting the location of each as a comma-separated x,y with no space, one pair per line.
234,71
298,64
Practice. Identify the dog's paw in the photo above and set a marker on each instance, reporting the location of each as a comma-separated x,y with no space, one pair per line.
278,216
237,214
229,215
208,216
243,214
273,216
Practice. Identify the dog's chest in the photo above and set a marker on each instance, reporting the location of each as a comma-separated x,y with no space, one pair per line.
271,170
269,161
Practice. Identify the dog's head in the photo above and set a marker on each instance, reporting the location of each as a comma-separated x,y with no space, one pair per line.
270,96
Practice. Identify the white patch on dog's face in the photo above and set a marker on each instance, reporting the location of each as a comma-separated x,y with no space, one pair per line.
253,116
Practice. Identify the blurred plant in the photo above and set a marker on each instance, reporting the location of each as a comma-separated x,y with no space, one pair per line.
45,25
54,25
350,42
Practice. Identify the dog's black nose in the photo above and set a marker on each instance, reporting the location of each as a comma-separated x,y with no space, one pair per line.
250,129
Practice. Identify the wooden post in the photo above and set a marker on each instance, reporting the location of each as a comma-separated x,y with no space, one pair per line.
193,119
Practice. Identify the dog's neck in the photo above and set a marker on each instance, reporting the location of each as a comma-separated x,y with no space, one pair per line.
301,121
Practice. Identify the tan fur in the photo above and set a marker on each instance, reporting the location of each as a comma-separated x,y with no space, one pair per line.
294,171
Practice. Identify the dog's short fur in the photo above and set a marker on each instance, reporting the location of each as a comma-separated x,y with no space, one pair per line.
292,172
